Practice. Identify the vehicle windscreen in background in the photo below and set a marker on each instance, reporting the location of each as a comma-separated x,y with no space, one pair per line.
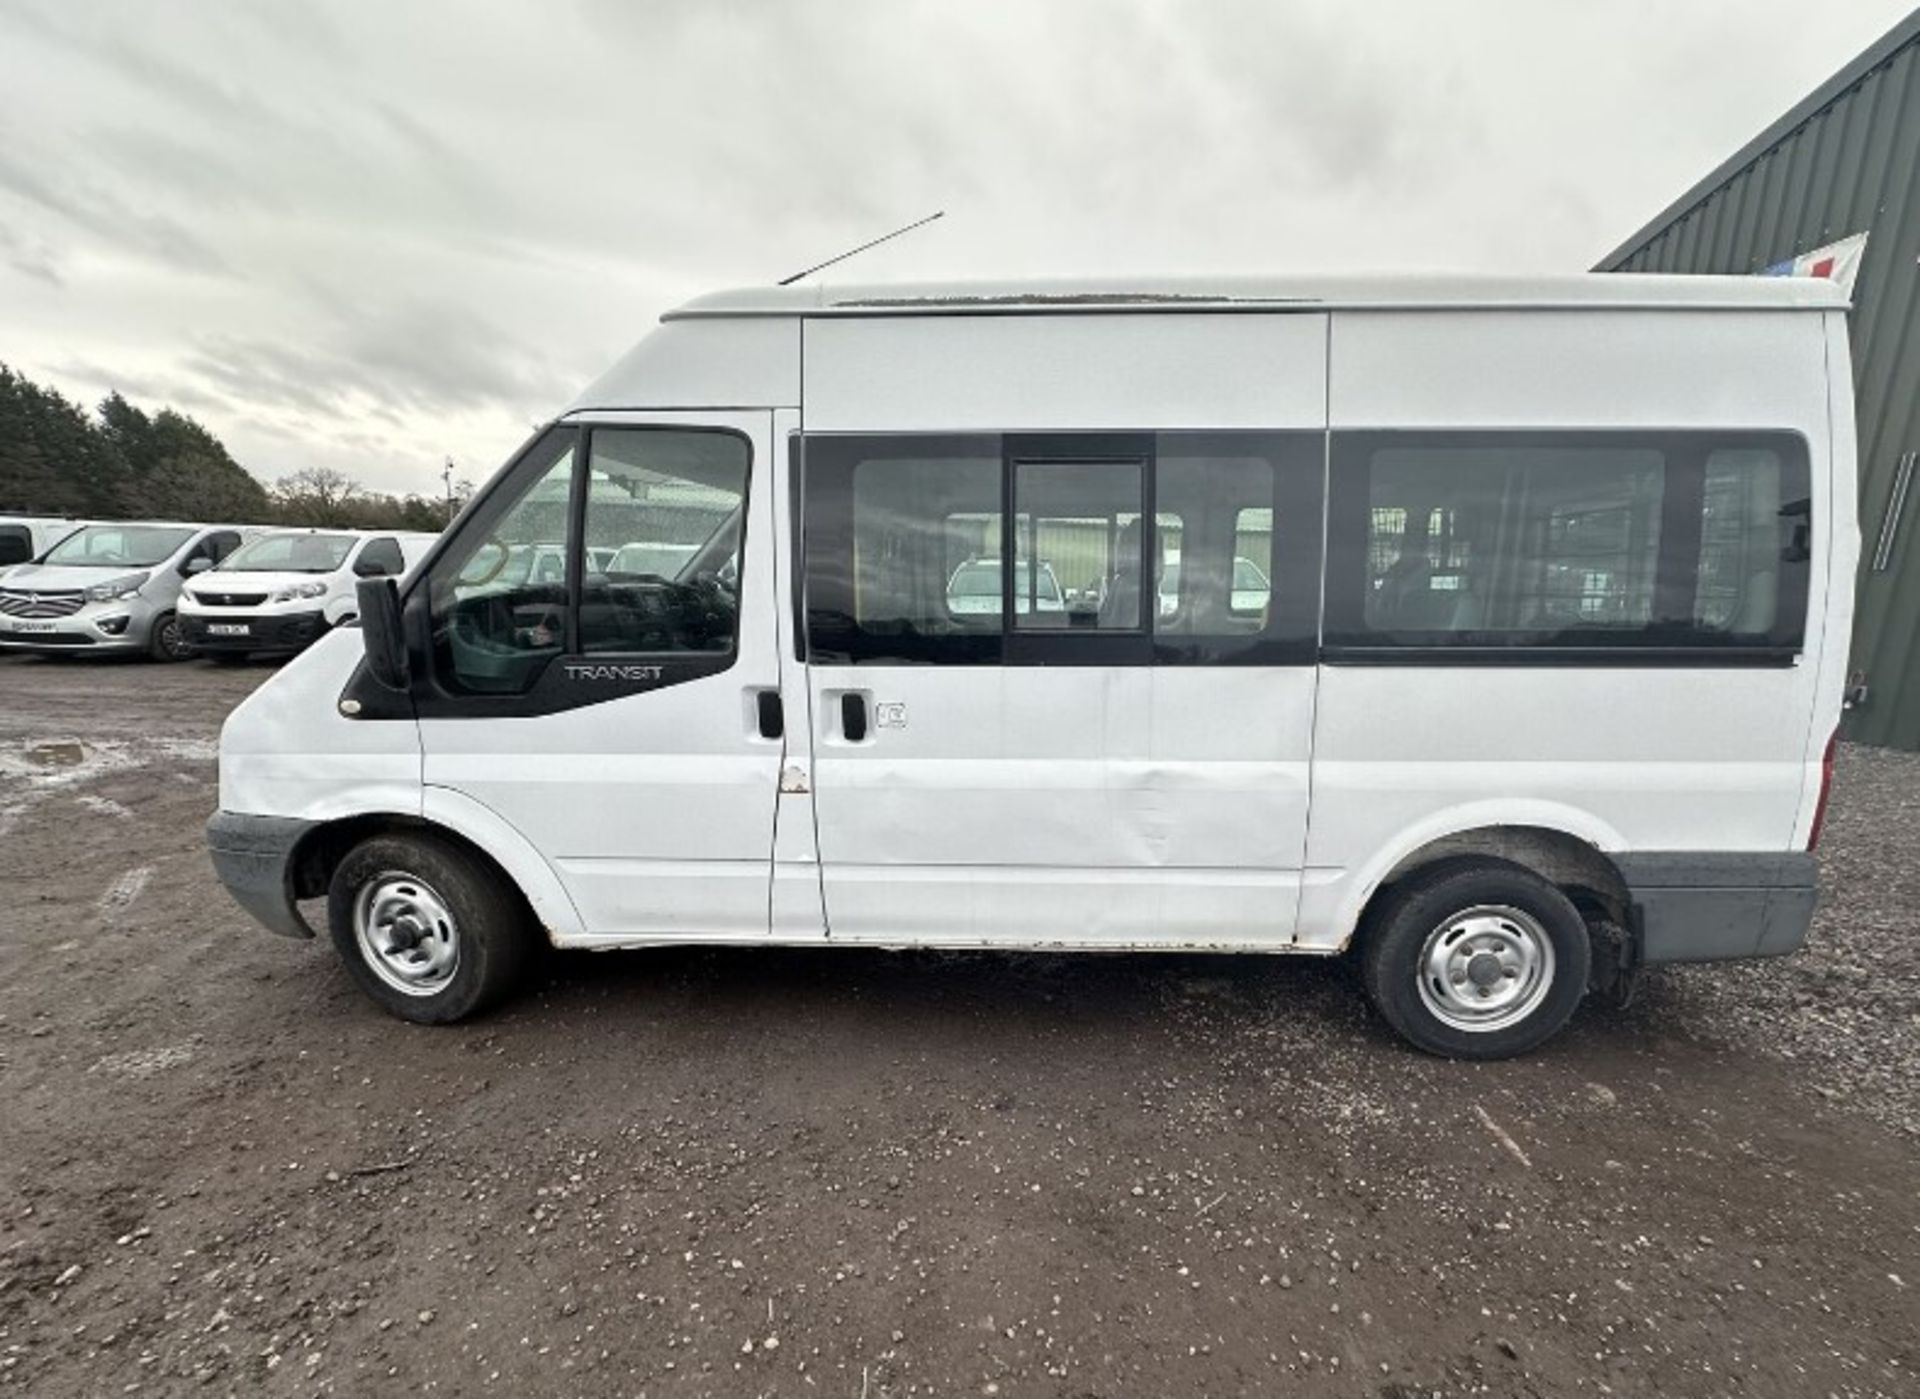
119,546
291,553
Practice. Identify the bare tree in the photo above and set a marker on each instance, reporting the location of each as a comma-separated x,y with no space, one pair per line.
317,495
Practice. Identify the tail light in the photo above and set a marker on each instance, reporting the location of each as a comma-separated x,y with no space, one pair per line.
1826,790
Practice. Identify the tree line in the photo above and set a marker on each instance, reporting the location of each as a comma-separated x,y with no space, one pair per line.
121,463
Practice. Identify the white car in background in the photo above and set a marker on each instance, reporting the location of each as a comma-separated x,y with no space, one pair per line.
974,589
284,589
24,538
1249,594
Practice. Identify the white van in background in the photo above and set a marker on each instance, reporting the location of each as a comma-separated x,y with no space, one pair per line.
1530,676
280,591
24,538
112,587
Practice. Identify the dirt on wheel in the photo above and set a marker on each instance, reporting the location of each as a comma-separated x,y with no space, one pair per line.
859,1174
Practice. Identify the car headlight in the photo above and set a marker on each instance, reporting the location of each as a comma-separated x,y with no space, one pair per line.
298,590
116,588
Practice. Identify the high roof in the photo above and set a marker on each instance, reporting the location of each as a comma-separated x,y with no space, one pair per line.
1380,292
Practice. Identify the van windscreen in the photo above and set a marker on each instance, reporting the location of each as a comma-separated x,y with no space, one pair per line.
291,553
118,546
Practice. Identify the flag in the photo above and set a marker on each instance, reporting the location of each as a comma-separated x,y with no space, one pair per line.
1837,262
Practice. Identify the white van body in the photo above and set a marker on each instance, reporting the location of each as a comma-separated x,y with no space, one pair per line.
286,587
1558,584
112,587
24,538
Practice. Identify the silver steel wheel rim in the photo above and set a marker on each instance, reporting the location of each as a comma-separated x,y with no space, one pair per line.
1485,968
406,934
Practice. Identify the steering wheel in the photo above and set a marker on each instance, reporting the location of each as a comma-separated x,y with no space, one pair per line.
714,579
493,541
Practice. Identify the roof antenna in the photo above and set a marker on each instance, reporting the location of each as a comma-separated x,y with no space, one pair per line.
884,238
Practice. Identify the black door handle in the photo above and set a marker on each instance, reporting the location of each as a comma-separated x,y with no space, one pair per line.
773,721
853,718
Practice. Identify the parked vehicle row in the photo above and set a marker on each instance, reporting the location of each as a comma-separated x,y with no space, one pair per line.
170,589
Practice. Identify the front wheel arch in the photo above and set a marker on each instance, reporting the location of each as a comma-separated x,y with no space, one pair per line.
311,869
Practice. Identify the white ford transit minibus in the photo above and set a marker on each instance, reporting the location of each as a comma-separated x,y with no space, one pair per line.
278,592
1529,681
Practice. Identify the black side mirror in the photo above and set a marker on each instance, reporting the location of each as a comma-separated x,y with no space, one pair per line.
380,632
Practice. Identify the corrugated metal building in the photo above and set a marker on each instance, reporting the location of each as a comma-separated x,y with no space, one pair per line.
1844,161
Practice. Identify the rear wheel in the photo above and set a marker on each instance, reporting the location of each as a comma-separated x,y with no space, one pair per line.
1477,961
432,933
168,641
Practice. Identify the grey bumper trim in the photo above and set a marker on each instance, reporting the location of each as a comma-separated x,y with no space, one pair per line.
253,856
1710,906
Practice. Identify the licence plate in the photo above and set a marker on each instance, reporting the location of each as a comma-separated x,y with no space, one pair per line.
32,628
229,629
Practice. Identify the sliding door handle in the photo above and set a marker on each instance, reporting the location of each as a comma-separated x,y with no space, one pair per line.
853,717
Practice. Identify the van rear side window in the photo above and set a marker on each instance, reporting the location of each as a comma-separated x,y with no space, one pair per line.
1560,542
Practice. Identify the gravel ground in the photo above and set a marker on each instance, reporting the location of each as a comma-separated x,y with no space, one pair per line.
758,1172
1846,1010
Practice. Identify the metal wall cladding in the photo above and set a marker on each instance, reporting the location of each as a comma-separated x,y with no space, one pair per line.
1845,161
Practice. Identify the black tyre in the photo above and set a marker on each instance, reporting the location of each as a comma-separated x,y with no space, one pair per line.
432,933
167,641
1479,960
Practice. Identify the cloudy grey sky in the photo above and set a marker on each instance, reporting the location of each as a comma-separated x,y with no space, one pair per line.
367,235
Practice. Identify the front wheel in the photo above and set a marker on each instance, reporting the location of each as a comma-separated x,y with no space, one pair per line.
1477,961
431,932
168,640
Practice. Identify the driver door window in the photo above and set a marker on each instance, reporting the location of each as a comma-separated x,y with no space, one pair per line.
499,596
627,544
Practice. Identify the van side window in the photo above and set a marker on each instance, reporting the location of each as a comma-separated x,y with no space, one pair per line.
16,545
1082,518
1567,540
380,558
1749,529
665,521
1218,578
907,560
903,548
499,595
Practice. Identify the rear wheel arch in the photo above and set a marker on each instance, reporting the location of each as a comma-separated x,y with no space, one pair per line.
1584,872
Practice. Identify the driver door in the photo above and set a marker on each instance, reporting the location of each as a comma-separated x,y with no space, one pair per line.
602,631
